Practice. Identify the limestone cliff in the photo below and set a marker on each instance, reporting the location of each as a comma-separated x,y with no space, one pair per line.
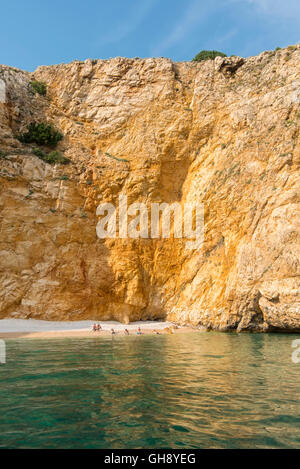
222,132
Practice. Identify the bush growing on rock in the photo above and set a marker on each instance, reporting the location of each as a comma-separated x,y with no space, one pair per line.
38,152
41,134
208,54
39,87
57,157
54,157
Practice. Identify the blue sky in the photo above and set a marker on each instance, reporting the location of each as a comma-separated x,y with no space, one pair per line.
43,32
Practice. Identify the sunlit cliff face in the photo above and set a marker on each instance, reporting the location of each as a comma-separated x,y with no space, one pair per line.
222,133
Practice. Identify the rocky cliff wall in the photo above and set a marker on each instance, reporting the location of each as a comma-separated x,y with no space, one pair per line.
224,133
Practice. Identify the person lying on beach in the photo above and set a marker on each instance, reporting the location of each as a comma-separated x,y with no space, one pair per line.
156,332
139,331
126,332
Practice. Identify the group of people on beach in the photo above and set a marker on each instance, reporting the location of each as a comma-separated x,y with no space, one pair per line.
98,328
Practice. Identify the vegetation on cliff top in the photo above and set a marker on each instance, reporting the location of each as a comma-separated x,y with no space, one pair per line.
208,54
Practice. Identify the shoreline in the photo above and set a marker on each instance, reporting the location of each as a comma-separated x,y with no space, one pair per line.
31,329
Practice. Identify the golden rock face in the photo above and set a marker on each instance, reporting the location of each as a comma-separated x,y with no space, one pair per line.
224,133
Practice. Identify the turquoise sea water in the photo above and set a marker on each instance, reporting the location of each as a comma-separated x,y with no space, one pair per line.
201,390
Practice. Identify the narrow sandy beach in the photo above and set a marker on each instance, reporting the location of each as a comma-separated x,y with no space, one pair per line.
32,329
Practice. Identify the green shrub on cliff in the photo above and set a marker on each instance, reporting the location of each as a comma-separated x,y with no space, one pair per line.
208,54
54,157
57,157
39,87
39,153
123,160
41,134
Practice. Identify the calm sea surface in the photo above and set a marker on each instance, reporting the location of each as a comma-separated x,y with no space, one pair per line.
201,390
